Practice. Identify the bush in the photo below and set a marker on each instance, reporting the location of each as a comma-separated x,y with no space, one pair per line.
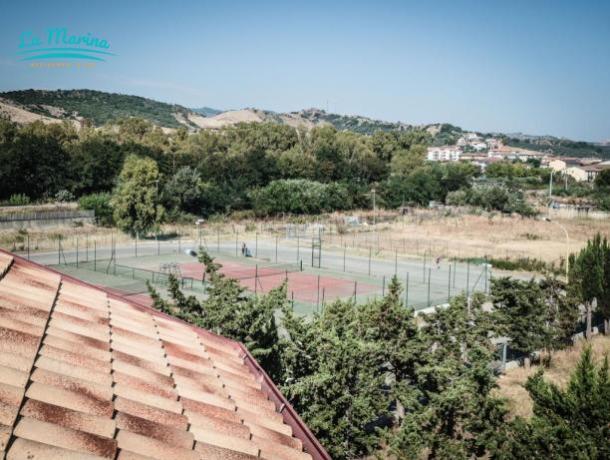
492,199
19,199
300,196
100,203
64,196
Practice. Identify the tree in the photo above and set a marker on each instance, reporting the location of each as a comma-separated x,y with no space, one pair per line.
100,204
602,181
450,411
522,313
405,161
135,200
587,277
568,423
183,192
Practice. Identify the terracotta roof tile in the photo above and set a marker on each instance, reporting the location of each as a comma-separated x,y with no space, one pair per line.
5,435
67,438
68,418
153,448
216,438
85,375
161,432
220,425
70,370
209,451
209,410
153,414
272,450
31,450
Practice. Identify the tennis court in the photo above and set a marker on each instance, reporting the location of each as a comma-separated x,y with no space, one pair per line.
301,287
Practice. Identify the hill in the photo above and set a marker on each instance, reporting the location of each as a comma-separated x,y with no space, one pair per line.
101,107
207,111
98,106
558,146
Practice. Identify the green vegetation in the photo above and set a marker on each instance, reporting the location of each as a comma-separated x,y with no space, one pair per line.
97,106
568,423
135,198
590,279
492,198
562,147
371,379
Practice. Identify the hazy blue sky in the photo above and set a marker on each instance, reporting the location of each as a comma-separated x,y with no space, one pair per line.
539,67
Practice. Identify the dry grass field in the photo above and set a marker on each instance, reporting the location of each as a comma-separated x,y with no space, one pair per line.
562,365
470,235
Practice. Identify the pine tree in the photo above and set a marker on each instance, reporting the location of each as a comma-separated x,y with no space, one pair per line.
567,423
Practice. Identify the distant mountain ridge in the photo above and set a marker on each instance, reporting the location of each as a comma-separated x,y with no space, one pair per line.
101,107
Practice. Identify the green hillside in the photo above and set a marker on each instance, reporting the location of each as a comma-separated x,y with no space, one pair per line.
97,106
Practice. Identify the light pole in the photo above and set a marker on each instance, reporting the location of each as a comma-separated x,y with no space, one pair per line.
567,243
551,185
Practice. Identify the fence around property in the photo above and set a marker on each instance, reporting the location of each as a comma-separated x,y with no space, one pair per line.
315,275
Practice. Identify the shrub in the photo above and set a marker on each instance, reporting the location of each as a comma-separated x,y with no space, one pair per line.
100,203
299,196
493,198
64,196
19,199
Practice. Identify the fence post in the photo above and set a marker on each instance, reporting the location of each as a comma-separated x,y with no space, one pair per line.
407,291
424,268
256,246
383,287
318,298
486,275
467,278
429,276
395,262
449,286
59,250
454,271
28,237
355,290
312,251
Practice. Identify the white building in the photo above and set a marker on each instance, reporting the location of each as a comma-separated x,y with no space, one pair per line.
446,153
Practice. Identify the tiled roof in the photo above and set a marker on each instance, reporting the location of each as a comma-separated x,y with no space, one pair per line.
85,374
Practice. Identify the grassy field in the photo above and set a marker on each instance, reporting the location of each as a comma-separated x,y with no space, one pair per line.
562,365
435,233
472,236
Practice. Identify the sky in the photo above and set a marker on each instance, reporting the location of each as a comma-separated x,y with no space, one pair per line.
537,67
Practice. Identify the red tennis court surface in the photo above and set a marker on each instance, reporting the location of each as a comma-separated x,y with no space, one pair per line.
305,287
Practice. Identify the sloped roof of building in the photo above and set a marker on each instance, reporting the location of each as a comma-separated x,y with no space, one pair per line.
85,374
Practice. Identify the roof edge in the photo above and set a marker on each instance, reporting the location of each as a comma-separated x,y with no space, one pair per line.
290,416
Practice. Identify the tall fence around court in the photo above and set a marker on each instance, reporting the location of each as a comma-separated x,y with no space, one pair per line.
327,274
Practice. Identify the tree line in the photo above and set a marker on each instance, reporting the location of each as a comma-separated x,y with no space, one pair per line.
259,168
374,379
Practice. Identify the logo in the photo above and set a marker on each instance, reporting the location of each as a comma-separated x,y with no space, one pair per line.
59,44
